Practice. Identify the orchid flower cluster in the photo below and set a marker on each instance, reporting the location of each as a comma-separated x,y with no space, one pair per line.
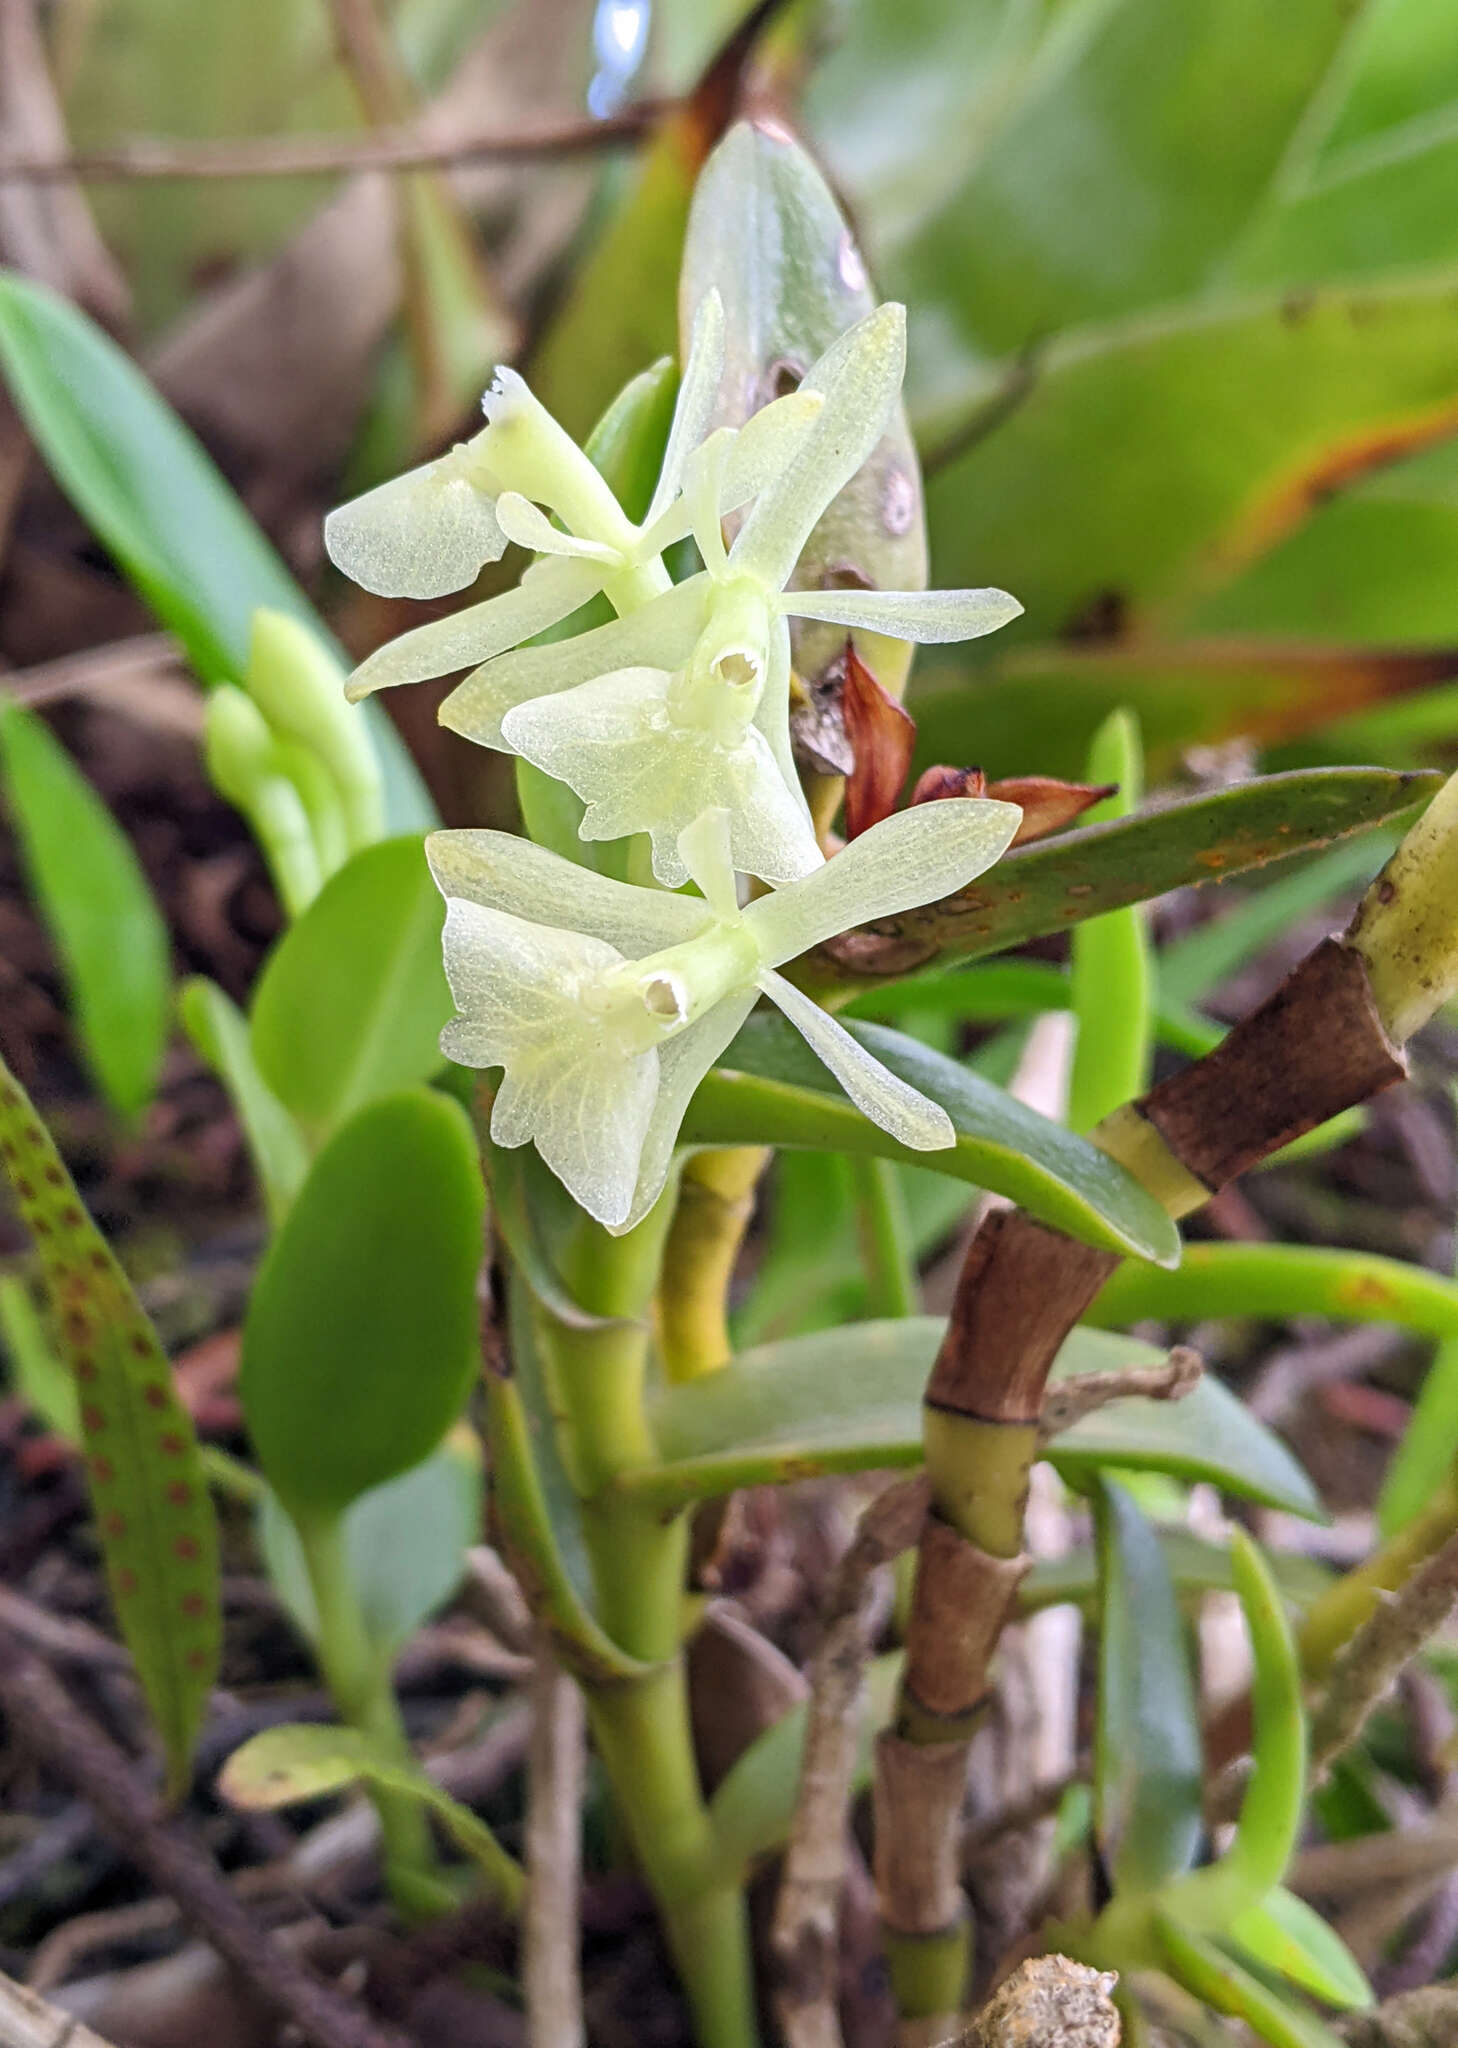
606,1003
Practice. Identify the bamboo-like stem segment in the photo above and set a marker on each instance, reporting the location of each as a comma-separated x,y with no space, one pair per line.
1321,1043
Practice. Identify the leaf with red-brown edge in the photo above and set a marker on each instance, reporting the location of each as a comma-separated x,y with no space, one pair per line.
881,736
153,1514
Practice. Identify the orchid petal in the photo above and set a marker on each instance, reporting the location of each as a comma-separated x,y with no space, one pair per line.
682,1063
859,376
613,742
912,857
503,872
572,1086
912,1118
528,525
423,534
549,592
660,634
694,407
758,452
926,616
773,713
706,849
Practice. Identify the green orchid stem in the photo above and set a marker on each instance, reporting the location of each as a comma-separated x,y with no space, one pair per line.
597,1375
358,1678
892,1287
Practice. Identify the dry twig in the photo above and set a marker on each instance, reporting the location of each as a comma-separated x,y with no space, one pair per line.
309,156
1070,1400
1395,1630
806,1924
27,2021
551,1968
44,1716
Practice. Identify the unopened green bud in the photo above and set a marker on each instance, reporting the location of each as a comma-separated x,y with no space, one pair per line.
243,763
299,687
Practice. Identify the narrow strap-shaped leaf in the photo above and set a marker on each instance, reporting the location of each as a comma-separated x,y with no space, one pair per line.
1220,1981
1112,974
1149,1767
98,906
153,1515
300,1761
154,498
1283,1933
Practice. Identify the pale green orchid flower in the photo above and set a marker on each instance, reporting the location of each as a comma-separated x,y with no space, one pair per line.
682,705
606,1004
429,532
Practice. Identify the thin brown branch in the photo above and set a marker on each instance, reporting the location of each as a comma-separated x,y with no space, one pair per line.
45,1717
1070,1400
1366,1666
807,1912
551,1973
1048,2002
1344,1870
411,148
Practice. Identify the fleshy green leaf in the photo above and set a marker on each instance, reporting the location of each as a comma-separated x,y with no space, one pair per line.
1286,1935
219,1030
1133,98
97,903
155,500
1195,1564
353,998
1111,970
362,1333
850,1399
405,1541
37,1373
1055,883
1219,1980
772,1090
1269,1822
284,1766
1148,1761
1281,1281
153,1514
1254,407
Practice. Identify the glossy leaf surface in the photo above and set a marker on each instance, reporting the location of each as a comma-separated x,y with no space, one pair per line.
219,1030
771,1090
353,999
850,1399
405,1542
299,1761
158,504
1053,884
1148,1760
98,906
362,1332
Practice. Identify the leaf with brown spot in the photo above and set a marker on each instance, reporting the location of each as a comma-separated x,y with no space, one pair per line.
882,736
1050,887
153,1512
